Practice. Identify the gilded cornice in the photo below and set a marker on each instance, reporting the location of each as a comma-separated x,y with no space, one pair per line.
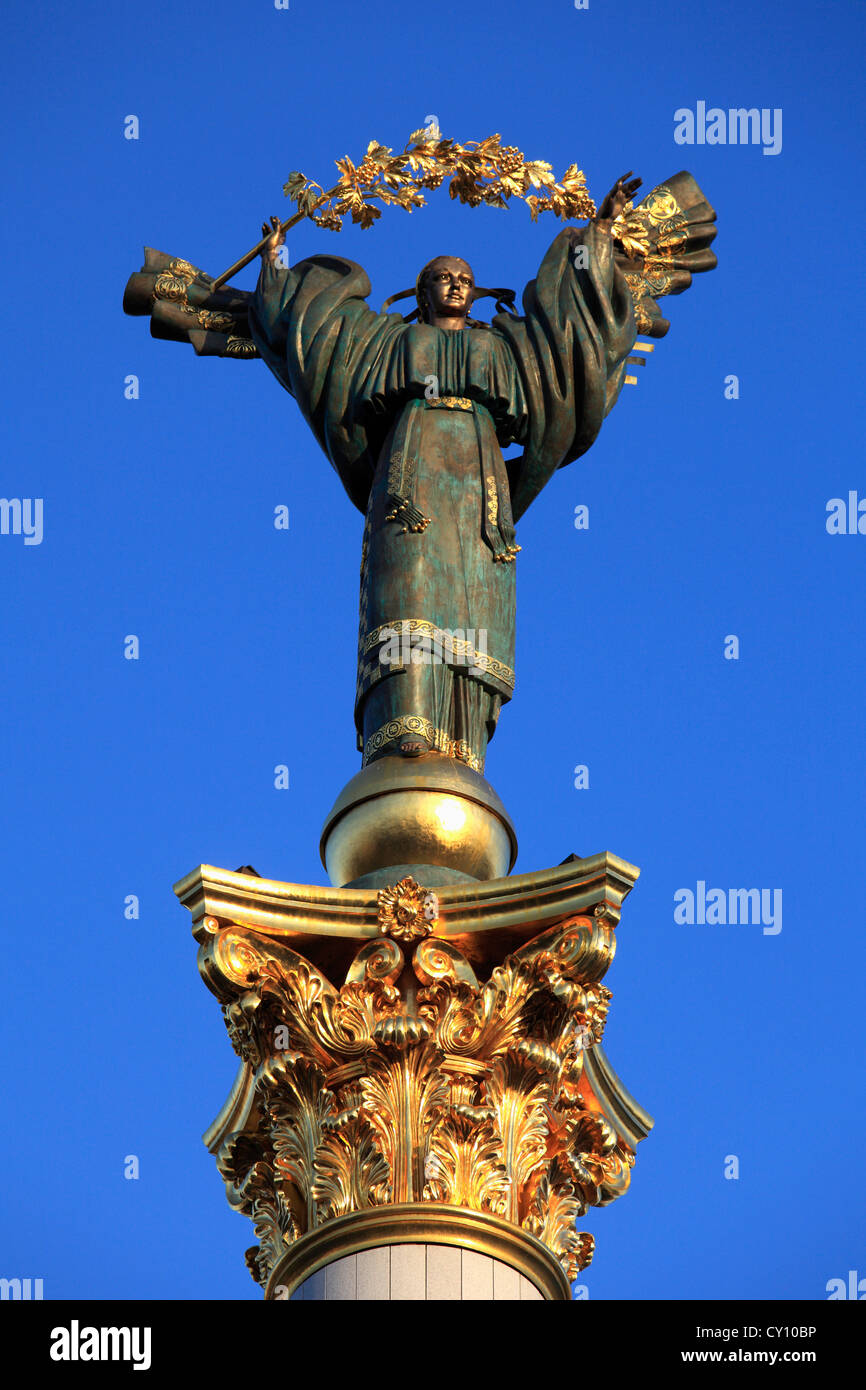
486,919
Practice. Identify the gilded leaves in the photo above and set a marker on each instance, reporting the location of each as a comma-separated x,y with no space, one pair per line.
521,1105
631,233
298,1106
451,1091
482,171
464,1165
653,235
402,1102
351,1172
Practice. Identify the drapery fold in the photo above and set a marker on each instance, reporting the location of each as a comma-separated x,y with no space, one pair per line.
548,378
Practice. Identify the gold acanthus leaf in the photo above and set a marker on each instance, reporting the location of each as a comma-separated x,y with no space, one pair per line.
298,1106
403,1100
350,1171
464,1163
521,1104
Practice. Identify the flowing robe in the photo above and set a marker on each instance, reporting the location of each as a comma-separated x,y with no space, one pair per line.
414,420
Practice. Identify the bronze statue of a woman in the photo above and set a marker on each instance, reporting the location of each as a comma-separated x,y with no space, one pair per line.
414,417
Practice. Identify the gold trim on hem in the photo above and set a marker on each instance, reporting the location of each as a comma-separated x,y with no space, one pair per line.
439,739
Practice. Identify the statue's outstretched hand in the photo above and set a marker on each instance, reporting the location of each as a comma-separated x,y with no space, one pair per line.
622,192
276,239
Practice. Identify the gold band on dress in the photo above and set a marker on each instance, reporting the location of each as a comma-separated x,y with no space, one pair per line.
448,644
437,738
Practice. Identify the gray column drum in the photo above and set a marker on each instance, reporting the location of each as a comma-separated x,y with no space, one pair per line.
417,1273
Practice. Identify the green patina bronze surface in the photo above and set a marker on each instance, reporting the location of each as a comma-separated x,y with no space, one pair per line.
420,414
414,417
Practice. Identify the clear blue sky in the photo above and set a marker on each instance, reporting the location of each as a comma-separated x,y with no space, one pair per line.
707,518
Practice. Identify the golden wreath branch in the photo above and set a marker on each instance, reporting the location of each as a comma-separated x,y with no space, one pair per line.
481,171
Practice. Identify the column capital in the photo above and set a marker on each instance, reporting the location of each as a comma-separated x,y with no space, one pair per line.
415,1081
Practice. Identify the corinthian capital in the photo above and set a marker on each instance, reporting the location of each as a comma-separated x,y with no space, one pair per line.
426,1084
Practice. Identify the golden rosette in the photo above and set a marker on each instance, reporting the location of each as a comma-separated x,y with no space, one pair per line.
407,911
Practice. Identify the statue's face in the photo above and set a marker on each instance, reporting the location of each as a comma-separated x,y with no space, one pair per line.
449,283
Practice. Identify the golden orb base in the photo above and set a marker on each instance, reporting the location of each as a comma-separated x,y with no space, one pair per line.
430,817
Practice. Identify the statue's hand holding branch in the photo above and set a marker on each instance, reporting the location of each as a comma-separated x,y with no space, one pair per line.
276,239
622,192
